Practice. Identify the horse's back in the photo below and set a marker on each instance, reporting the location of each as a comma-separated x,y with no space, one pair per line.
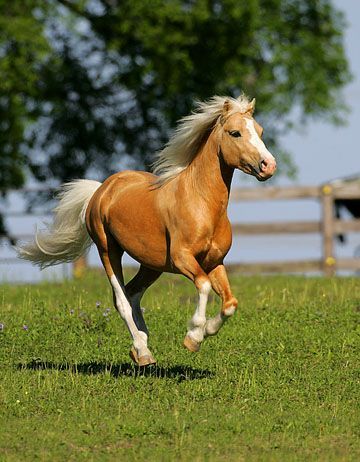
120,184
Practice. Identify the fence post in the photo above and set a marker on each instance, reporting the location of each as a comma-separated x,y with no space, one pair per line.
327,200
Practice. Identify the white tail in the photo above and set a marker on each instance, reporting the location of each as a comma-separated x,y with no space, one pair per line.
66,238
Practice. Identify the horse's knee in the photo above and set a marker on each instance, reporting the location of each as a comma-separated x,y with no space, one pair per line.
203,285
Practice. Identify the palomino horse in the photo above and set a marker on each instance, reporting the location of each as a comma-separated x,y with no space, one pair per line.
174,220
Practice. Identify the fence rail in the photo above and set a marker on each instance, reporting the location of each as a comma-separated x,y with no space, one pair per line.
328,226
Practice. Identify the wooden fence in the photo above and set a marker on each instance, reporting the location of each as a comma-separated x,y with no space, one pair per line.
328,226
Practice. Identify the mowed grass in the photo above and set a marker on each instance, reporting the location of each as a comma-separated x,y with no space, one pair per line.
279,382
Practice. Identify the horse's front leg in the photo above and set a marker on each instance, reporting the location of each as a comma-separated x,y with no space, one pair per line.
188,265
220,284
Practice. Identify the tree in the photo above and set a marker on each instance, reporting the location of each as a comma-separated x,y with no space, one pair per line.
22,50
166,54
95,85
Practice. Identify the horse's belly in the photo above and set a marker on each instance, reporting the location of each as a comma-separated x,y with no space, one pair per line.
145,245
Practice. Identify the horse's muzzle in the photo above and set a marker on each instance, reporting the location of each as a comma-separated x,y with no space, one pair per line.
267,168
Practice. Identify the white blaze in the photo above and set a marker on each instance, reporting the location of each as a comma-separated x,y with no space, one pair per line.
257,142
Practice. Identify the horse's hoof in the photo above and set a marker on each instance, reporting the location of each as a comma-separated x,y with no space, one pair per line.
191,344
141,361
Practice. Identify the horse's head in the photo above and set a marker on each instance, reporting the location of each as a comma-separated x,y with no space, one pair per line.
241,145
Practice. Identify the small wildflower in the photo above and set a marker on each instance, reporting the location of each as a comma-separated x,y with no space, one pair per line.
106,313
72,311
98,304
17,401
2,326
25,327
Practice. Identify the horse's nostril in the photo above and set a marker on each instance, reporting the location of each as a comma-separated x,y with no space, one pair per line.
263,164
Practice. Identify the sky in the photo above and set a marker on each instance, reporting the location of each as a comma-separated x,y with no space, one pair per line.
321,152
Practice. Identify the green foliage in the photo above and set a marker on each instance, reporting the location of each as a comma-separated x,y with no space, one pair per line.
93,86
279,382
22,49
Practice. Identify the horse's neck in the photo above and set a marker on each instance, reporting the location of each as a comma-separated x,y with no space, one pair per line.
209,176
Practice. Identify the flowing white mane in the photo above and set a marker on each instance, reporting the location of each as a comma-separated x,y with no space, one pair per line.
185,142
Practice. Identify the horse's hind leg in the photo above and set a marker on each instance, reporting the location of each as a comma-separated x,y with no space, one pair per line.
111,258
220,284
135,289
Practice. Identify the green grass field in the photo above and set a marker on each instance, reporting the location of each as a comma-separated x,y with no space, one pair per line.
281,381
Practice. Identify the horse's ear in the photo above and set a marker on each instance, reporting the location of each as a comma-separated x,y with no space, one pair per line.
225,110
226,106
251,107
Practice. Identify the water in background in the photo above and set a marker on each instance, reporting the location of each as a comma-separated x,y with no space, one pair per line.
244,249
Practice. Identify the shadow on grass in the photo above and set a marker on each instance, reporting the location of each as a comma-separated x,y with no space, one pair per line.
179,372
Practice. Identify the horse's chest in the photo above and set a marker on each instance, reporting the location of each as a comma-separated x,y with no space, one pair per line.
217,244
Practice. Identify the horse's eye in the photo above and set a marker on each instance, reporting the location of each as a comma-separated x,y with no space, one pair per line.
235,133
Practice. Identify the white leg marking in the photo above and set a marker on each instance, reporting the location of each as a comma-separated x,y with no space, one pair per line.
257,142
123,307
213,325
229,311
198,321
